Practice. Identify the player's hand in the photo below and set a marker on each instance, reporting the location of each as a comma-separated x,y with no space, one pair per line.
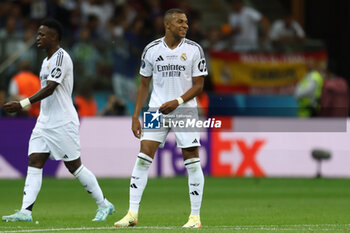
12,106
168,107
136,127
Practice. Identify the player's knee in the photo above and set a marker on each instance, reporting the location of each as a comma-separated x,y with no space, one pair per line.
71,169
149,148
189,153
36,161
72,166
36,164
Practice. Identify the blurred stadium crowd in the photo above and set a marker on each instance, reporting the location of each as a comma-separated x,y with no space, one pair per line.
105,39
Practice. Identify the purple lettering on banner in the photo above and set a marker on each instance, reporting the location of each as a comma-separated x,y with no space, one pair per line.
176,154
14,139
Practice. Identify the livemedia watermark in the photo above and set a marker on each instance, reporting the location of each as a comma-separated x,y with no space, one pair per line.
178,120
230,119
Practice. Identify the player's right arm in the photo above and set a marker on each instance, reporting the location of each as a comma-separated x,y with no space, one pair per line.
16,106
141,97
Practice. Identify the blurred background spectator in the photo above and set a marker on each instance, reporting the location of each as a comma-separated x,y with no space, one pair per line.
85,56
105,39
97,13
114,107
23,85
214,41
244,22
85,101
308,91
334,100
13,34
286,34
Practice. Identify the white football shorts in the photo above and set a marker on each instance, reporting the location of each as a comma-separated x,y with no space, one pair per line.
185,137
62,142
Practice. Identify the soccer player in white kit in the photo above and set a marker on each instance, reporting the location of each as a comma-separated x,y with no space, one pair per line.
177,67
56,133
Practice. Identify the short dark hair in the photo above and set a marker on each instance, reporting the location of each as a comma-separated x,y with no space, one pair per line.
55,25
172,11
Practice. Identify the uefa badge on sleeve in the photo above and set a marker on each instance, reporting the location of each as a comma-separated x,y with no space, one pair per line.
152,119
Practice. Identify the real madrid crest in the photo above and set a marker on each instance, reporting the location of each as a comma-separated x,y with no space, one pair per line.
183,57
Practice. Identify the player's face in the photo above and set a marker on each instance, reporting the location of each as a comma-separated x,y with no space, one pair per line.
178,25
45,37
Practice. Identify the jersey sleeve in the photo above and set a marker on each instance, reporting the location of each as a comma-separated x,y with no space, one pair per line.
274,31
58,68
254,14
146,68
299,30
199,65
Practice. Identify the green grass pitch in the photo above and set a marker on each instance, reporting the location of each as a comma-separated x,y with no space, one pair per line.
244,205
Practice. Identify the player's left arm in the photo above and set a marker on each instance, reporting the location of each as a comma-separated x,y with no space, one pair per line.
16,106
57,73
195,90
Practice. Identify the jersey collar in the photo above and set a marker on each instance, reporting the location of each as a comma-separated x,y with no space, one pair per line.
178,46
59,49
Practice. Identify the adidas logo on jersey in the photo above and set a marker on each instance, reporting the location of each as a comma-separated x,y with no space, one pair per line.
65,156
195,140
160,58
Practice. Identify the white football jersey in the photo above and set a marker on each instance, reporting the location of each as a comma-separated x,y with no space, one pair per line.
57,109
172,69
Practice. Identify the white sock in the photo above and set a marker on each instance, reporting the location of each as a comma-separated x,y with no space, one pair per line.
138,180
89,181
31,189
195,184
